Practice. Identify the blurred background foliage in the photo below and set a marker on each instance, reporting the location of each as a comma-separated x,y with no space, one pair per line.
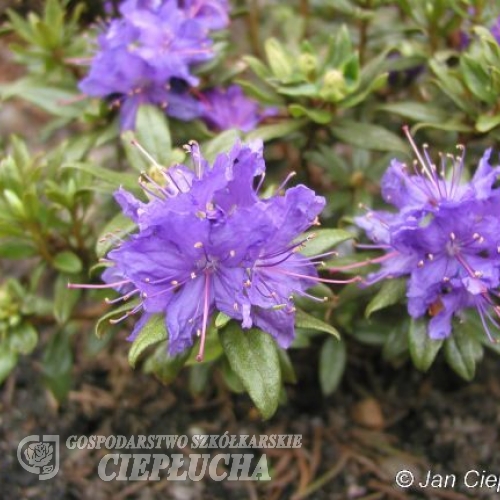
344,77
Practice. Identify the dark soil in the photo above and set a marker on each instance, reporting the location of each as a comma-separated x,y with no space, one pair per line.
381,420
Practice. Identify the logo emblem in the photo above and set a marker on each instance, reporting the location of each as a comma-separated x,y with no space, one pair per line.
39,455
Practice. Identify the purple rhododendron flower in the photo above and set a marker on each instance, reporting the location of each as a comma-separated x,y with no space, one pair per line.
147,57
223,109
207,242
445,238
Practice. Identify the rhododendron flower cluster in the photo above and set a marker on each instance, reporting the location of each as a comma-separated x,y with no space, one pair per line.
444,237
147,56
206,241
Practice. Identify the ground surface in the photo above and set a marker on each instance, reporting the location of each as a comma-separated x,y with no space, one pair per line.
381,421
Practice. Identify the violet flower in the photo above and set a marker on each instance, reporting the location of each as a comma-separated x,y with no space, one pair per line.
207,242
148,56
445,238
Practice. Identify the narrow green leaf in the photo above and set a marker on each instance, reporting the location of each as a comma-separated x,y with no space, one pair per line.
258,67
277,130
323,240
320,116
279,61
116,179
423,349
57,364
461,351
48,97
477,78
67,262
152,132
152,332
392,292
305,320
368,136
64,301
287,371
199,376
332,362
103,325
253,356
417,111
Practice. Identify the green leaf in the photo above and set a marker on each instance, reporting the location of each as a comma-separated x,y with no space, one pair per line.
368,136
46,96
23,339
8,361
230,378
199,376
451,126
118,227
279,61
115,179
222,143
321,116
354,99
423,349
396,343
103,324
305,320
14,249
486,122
417,111
477,78
67,262
57,364
451,86
461,351
258,67
323,240
64,301
163,366
221,320
277,130
264,95
392,292
213,349
152,332
286,366
332,362
152,132
253,356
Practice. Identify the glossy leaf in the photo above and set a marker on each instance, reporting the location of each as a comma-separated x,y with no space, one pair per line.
423,349
253,356
332,362
153,331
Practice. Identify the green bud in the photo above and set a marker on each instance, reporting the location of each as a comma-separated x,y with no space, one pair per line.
334,86
308,65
